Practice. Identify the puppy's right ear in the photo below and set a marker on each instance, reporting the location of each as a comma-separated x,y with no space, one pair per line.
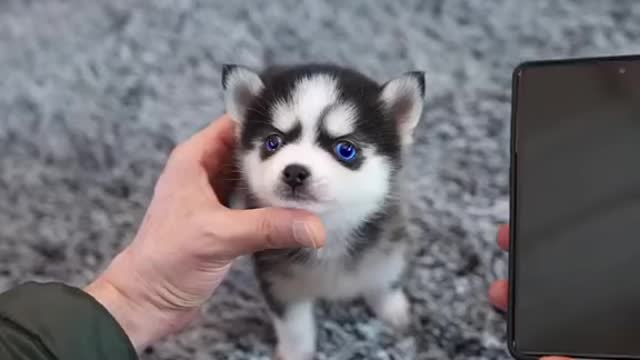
241,85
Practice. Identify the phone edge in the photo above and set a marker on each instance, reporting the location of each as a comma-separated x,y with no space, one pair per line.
515,81
511,341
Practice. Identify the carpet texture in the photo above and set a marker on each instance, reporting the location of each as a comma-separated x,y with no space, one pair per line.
94,94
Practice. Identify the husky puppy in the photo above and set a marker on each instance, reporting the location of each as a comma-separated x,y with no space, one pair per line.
329,140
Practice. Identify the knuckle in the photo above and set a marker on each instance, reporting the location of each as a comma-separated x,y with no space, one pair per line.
177,153
212,239
205,225
162,185
266,231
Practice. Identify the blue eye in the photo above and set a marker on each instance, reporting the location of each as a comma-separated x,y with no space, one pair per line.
346,151
273,142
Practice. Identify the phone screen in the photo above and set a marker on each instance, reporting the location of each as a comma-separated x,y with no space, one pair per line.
575,267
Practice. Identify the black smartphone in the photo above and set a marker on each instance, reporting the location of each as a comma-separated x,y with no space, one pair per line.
574,263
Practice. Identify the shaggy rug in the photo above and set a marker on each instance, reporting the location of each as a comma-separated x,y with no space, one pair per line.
94,94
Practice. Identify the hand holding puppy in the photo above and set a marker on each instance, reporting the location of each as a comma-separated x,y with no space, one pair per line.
188,240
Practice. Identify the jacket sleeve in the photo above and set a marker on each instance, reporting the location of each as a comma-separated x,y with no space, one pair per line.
53,321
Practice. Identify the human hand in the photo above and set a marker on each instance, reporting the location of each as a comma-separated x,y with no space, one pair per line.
188,240
499,291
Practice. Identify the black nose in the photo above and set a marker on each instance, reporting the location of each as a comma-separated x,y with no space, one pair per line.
295,175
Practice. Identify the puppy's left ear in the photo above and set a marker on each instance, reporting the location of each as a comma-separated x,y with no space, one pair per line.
241,85
403,100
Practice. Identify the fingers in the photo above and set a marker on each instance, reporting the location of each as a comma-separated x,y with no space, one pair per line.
499,291
220,133
210,148
499,294
224,181
248,231
503,237
215,145
208,153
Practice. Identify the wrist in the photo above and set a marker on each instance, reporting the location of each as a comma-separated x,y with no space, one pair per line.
123,311
140,318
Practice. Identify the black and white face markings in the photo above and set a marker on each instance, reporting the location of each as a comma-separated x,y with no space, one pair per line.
321,137
328,140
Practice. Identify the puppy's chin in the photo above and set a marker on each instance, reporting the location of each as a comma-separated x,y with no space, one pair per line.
313,206
289,201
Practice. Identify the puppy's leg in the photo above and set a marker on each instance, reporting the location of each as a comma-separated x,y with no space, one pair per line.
391,305
388,299
292,318
296,332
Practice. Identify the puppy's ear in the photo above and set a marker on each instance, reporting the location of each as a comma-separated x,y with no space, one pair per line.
403,100
241,85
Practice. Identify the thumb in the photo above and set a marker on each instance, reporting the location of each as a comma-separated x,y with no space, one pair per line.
271,228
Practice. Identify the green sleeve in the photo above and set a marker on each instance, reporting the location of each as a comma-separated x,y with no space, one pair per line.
54,321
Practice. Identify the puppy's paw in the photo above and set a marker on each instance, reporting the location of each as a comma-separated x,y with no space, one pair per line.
288,352
392,307
296,333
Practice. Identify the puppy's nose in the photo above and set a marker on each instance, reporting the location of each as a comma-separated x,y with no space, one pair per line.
294,175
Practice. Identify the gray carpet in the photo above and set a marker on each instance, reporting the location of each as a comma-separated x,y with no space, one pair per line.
94,94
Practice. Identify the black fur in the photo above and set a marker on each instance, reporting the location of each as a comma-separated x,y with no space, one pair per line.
226,70
370,231
276,306
419,76
328,143
287,137
373,126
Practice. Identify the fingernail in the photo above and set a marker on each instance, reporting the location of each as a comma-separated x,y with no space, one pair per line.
304,235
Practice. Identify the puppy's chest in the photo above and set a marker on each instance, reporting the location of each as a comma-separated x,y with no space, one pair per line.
343,277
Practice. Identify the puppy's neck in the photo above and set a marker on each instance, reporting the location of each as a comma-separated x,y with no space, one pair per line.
341,224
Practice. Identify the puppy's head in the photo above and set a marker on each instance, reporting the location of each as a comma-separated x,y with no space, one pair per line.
320,137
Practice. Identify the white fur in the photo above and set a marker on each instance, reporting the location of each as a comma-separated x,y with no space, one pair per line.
372,278
296,332
345,197
397,90
240,80
335,281
391,306
340,120
310,96
284,116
